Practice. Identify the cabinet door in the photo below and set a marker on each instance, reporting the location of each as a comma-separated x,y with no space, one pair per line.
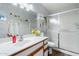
30,50
46,53
40,53
46,50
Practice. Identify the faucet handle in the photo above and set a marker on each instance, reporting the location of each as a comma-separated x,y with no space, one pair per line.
21,38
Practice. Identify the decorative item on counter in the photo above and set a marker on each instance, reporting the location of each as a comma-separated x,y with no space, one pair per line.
13,38
36,32
33,31
42,34
9,35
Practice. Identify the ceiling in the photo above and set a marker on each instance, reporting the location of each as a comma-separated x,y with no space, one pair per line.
52,8
39,8
59,7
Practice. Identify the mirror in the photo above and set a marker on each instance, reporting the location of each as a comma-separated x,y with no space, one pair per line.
16,20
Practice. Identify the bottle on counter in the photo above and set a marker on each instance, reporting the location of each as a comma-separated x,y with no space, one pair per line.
14,38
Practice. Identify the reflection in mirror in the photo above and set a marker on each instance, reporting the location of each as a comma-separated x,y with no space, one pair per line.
2,18
15,21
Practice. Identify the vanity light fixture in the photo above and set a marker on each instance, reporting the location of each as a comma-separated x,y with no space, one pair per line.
25,6
15,4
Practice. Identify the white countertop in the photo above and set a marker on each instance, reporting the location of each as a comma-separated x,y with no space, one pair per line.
10,48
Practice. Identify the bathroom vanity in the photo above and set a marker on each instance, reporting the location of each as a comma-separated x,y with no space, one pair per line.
30,46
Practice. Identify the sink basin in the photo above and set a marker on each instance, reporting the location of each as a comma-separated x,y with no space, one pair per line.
21,43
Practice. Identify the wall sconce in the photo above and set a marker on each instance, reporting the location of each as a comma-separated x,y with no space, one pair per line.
25,6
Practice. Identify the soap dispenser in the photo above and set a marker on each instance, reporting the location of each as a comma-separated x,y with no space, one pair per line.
14,38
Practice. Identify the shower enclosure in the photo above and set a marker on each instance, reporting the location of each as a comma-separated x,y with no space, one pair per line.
63,30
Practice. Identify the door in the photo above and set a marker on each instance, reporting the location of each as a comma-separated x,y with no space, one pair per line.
53,29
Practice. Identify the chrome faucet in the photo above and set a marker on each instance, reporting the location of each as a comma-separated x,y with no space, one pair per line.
21,38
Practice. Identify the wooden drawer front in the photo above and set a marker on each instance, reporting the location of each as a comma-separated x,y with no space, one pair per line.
46,53
30,50
45,41
40,53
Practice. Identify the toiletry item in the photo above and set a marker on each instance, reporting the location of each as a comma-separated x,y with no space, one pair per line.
42,34
14,39
9,35
37,33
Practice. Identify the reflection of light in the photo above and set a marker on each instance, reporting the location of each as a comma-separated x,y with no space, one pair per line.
25,6
54,21
30,7
15,4
2,18
21,6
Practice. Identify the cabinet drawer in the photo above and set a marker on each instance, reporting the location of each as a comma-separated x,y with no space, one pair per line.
30,50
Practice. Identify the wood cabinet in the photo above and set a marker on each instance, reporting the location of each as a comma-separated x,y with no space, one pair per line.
45,48
38,49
